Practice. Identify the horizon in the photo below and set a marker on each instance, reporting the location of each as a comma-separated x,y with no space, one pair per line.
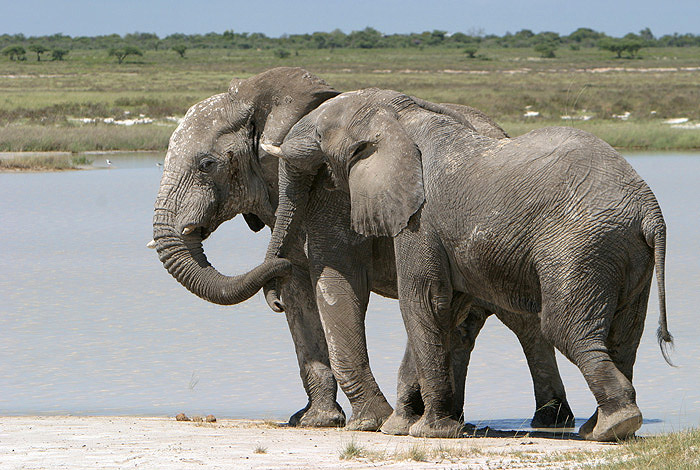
276,18
481,34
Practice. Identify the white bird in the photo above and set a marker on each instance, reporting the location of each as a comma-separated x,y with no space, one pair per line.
159,164
109,162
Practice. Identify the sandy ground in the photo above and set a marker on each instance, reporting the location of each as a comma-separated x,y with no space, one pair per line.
70,442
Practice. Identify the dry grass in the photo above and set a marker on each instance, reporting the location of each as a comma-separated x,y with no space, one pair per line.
38,98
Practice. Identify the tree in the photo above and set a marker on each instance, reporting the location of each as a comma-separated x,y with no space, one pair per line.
282,53
470,50
14,52
58,54
629,44
122,52
38,49
647,35
180,49
546,49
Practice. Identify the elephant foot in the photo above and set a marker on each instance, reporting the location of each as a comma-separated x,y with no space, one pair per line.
442,427
611,427
399,425
369,417
316,416
555,414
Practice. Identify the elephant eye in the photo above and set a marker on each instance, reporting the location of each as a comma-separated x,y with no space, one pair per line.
206,165
361,151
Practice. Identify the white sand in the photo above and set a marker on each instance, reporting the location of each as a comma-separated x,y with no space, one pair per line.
68,442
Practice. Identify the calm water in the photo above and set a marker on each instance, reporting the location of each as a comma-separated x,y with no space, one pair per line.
90,322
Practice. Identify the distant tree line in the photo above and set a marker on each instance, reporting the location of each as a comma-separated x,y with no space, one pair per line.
368,38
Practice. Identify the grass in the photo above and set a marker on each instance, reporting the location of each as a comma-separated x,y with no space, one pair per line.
44,162
42,97
260,450
674,451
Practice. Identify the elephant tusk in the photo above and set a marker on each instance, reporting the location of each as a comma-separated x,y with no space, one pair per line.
272,149
187,230
151,244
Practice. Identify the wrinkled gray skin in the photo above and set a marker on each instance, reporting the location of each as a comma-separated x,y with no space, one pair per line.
215,169
554,223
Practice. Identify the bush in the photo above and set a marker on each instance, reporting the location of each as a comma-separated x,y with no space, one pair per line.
59,54
282,53
470,50
546,49
14,52
180,49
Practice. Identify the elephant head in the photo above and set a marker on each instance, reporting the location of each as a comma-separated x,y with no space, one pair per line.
214,170
358,139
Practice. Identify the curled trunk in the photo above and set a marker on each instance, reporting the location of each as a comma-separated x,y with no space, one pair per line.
184,258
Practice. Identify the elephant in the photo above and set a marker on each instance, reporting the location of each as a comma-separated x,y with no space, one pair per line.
554,223
215,169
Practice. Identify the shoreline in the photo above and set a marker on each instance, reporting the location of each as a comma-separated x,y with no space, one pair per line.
106,442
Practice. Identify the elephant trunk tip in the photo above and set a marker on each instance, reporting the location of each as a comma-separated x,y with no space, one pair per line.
272,296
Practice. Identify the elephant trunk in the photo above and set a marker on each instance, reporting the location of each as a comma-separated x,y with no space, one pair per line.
184,258
294,193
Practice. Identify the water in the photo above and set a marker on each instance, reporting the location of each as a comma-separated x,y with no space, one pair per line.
90,322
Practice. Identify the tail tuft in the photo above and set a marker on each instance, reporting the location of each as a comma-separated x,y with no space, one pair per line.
665,343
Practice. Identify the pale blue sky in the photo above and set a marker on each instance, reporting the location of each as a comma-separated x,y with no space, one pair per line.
276,17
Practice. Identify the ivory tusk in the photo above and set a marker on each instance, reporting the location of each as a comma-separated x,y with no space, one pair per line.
272,149
151,244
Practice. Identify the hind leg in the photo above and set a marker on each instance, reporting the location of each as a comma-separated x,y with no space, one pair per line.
579,328
622,343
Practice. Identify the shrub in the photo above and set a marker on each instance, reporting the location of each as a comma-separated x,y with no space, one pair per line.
14,52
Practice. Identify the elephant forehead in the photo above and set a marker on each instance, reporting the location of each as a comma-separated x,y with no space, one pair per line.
199,128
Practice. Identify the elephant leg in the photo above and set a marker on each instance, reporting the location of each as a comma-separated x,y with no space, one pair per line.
626,332
342,299
462,345
409,404
425,295
551,407
578,325
322,409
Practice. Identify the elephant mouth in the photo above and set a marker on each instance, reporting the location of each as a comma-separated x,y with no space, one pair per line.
200,232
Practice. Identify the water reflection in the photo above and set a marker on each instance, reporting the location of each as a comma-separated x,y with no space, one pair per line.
91,323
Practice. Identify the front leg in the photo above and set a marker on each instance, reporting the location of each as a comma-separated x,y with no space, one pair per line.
342,296
322,409
409,403
425,296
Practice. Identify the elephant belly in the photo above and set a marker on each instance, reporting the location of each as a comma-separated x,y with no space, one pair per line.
496,270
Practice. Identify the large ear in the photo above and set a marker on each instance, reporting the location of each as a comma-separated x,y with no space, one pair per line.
385,179
254,222
279,98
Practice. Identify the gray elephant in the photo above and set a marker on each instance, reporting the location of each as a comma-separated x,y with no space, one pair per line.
215,169
554,223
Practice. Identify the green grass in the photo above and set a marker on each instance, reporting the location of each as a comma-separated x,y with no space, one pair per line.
44,163
504,83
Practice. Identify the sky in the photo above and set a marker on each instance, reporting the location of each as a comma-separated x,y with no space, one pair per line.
278,17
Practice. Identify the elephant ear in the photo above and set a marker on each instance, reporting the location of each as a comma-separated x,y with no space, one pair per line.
254,222
280,97
385,180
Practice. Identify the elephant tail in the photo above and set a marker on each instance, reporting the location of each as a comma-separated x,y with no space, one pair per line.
656,238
